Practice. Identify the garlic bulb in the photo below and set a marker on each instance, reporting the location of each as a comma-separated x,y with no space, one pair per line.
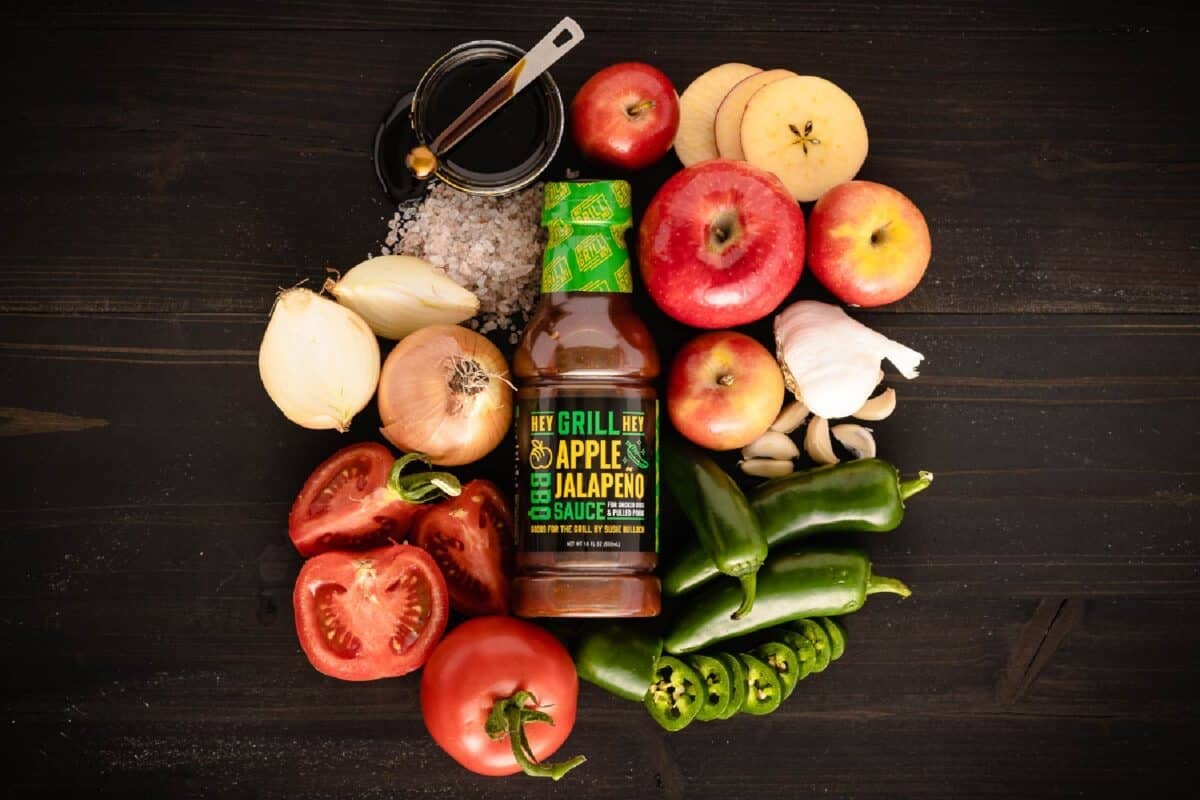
830,361
397,295
318,361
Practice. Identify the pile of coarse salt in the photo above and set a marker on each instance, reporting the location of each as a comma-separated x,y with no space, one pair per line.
491,246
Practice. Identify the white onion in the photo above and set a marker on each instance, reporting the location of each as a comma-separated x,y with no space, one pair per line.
318,361
397,295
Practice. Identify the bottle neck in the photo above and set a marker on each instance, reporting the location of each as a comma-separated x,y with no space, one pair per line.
581,259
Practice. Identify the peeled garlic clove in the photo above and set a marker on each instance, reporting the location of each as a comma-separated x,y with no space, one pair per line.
397,295
879,378
878,407
766,467
318,361
817,443
772,444
855,438
791,417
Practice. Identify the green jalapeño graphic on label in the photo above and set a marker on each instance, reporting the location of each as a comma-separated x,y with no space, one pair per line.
590,476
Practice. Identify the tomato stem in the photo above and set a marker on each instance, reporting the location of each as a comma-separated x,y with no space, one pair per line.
421,487
508,718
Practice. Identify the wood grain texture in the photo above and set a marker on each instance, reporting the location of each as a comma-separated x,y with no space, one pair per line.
170,165
691,16
190,171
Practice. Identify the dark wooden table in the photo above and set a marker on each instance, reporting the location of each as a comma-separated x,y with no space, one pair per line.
167,168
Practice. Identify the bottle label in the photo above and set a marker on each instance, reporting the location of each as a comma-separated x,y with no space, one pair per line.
586,223
587,474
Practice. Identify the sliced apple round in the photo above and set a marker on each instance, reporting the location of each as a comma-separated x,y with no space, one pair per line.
807,131
694,141
727,125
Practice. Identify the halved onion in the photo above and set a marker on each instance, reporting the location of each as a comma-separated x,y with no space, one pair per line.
444,391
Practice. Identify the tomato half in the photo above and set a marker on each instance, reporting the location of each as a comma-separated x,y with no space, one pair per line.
470,538
346,504
485,660
372,614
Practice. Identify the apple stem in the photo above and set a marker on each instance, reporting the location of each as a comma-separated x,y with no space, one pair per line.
725,380
638,109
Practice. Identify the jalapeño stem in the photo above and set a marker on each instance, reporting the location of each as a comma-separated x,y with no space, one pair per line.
508,717
749,583
421,487
916,485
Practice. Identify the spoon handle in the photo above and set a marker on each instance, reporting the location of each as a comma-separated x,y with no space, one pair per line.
553,46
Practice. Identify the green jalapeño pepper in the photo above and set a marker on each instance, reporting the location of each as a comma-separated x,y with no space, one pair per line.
814,633
806,583
862,495
715,675
764,691
837,637
676,695
619,658
737,684
726,527
784,660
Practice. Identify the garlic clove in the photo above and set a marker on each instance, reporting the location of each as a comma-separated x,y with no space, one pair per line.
878,407
791,417
397,295
879,377
817,443
766,467
855,438
772,444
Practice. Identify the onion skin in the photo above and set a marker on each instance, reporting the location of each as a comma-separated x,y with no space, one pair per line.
425,406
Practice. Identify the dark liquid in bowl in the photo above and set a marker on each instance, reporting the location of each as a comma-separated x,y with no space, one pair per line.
509,140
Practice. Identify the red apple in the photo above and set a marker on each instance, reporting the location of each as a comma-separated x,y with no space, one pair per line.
867,243
625,115
721,244
724,390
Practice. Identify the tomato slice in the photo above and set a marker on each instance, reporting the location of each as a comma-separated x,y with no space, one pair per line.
373,614
470,538
346,504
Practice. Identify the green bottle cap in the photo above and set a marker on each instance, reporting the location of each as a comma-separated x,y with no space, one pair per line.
586,222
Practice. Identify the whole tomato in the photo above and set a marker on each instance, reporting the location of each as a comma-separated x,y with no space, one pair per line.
494,683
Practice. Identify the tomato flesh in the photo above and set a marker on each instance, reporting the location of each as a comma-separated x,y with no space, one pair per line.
345,503
470,538
373,614
488,659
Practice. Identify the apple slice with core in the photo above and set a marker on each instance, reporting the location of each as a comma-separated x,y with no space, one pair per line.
695,142
727,125
807,131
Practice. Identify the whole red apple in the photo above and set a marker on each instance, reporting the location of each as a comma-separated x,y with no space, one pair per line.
625,115
724,390
868,243
721,244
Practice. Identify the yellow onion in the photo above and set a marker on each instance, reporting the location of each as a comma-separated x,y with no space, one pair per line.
318,361
444,391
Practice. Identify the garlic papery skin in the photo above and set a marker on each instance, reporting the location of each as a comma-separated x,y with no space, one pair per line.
397,295
830,361
318,361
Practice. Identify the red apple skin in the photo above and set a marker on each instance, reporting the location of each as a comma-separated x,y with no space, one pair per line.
860,270
705,281
625,115
724,390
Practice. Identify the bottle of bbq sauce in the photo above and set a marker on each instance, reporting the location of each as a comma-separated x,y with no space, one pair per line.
587,421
